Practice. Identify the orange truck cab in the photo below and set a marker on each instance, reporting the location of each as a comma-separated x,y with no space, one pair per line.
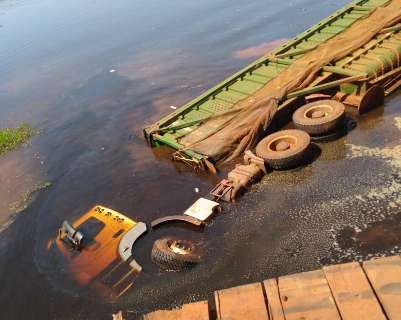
98,250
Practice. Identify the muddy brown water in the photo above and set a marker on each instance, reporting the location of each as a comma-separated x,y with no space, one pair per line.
91,75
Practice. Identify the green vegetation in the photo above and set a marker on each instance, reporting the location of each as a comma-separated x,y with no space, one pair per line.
11,138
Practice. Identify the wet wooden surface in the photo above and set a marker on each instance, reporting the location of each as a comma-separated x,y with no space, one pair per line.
191,311
352,292
385,278
234,303
369,291
307,296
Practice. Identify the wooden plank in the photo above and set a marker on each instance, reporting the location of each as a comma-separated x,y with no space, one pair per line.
307,296
385,277
239,303
191,311
352,292
273,300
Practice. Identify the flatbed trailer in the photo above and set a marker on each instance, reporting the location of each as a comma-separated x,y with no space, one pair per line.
360,79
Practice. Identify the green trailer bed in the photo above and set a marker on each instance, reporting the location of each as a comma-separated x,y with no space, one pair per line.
376,63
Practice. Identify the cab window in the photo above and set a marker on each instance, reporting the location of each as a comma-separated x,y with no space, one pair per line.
90,229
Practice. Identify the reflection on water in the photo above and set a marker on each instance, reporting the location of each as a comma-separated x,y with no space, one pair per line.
259,50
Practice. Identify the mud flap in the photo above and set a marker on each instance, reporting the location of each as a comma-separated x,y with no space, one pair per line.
372,98
203,209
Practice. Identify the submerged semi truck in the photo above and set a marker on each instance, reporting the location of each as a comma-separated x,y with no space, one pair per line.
351,59
97,247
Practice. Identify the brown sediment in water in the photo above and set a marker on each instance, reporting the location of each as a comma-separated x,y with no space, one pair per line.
258,50
165,104
375,239
168,69
21,172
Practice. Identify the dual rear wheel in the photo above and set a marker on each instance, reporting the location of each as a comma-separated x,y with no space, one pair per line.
284,149
319,117
289,148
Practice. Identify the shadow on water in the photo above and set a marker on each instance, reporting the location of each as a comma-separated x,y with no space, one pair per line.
378,236
375,239
347,126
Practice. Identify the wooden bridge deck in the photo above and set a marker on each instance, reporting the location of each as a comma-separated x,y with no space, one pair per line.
352,291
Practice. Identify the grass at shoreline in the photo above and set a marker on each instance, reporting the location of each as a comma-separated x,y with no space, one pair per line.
11,138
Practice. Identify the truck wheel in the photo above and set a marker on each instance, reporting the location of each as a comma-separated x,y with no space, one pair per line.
284,149
319,117
174,254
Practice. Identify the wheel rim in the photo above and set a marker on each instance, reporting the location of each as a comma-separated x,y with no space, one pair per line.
180,247
318,112
281,144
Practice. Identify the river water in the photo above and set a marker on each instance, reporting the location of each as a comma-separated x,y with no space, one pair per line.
91,74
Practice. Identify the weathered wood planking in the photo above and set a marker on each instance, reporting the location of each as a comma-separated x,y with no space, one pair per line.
192,311
239,303
307,296
385,277
354,297
273,300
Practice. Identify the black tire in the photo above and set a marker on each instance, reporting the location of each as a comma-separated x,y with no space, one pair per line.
330,114
166,258
298,144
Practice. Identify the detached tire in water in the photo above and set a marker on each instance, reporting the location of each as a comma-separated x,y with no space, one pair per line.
319,117
175,254
284,149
